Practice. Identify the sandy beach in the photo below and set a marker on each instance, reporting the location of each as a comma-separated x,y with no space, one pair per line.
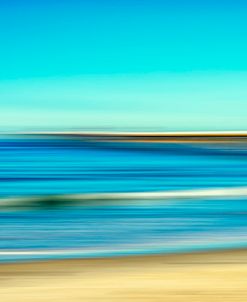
213,276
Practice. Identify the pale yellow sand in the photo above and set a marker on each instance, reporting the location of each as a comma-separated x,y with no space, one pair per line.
218,276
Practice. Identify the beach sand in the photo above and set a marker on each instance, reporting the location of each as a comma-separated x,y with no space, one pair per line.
199,277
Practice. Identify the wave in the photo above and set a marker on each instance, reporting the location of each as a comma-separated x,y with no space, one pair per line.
34,255
87,198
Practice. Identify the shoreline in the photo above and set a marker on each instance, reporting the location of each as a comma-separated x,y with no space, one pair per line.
202,276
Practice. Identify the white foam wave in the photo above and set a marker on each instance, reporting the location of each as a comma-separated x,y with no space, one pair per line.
51,200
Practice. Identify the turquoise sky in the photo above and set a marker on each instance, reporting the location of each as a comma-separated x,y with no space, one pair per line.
158,65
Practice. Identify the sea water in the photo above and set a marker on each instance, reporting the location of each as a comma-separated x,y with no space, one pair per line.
48,167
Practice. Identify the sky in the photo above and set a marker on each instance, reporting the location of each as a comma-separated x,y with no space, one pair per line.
129,65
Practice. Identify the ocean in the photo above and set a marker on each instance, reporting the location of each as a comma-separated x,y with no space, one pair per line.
47,171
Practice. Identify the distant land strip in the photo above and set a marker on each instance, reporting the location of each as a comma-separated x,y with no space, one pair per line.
155,137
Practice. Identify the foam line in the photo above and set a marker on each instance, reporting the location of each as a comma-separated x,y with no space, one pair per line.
52,200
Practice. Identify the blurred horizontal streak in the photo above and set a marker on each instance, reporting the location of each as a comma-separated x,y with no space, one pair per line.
80,199
160,137
200,245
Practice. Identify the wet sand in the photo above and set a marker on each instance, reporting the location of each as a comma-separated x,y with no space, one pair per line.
214,276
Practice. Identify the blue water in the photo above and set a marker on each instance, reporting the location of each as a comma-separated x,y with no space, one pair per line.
46,167
29,167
